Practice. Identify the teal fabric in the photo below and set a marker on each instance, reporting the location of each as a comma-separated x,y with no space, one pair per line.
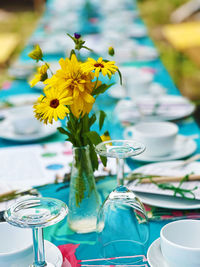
60,234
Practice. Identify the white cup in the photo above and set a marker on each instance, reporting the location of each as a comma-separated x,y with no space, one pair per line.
24,122
16,246
158,137
180,243
137,81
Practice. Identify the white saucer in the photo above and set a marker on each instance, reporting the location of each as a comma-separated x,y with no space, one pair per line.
154,255
184,147
167,202
7,132
52,255
18,100
171,107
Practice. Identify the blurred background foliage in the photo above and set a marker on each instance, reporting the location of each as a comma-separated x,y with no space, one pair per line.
20,17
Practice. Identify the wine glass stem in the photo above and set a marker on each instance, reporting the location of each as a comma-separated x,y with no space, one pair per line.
38,247
120,171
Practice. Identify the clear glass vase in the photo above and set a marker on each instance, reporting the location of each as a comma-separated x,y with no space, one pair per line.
84,201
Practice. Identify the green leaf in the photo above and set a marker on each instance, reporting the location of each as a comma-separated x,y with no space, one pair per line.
101,89
72,53
103,160
120,76
63,131
101,119
93,157
93,137
92,120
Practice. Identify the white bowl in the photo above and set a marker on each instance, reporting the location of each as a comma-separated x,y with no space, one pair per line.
16,244
180,243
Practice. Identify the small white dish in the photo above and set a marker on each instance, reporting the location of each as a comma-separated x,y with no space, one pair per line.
150,194
8,132
177,153
168,201
137,30
16,244
154,255
18,100
52,255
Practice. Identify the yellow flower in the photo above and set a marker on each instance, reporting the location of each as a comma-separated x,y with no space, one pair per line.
105,136
36,54
52,106
77,84
107,68
41,75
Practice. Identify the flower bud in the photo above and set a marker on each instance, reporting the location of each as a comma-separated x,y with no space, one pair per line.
111,51
36,54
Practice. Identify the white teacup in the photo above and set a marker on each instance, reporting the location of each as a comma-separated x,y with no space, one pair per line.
137,81
180,243
158,137
16,246
24,122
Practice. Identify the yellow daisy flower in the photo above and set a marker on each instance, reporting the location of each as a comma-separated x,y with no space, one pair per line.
77,84
52,105
106,68
40,76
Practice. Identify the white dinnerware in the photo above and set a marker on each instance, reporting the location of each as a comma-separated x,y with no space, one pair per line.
180,243
167,202
154,255
158,137
177,152
8,132
152,195
24,121
15,245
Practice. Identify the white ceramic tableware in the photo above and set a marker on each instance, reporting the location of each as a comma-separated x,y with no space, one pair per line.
24,121
158,137
137,81
15,245
180,243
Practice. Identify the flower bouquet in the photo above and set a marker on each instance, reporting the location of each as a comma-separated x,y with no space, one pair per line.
69,95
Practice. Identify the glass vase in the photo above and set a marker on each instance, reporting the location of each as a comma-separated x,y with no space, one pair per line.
84,201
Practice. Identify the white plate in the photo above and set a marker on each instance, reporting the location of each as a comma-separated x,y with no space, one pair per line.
18,100
184,147
52,255
154,255
7,132
150,194
119,92
170,107
137,30
168,201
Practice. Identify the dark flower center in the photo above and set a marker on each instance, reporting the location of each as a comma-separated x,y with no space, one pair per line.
54,103
98,65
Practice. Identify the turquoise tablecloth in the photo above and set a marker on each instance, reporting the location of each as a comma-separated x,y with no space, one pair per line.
60,234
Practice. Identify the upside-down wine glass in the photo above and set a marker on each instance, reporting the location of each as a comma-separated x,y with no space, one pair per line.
122,224
37,213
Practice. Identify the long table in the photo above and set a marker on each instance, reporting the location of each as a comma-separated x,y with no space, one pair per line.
86,246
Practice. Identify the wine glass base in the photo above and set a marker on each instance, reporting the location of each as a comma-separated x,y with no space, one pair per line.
115,252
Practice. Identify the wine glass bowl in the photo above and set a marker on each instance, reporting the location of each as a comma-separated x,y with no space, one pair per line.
122,223
122,228
37,213
120,148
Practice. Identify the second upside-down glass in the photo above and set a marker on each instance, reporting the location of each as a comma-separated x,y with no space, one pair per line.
122,224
